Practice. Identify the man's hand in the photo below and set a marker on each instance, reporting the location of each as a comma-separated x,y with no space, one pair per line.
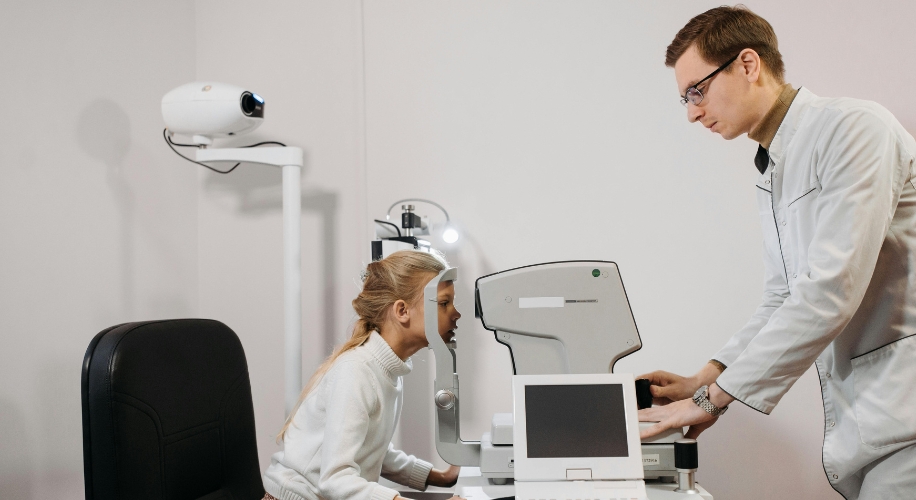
668,387
677,414
444,478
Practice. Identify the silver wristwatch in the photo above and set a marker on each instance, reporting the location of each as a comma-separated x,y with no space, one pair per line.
701,398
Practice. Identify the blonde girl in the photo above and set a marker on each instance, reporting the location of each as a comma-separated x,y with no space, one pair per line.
337,441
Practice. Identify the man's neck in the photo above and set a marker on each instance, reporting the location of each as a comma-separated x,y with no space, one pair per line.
768,94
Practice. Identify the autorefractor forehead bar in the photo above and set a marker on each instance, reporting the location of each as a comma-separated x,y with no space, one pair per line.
445,357
446,398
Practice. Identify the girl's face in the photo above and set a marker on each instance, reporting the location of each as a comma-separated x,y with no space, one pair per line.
411,318
448,315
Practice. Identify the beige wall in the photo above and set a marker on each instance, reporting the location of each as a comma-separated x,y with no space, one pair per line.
98,221
550,130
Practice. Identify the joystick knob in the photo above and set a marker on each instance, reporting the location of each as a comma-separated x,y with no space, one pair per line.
643,394
686,461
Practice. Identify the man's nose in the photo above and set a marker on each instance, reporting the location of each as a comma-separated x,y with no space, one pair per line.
694,112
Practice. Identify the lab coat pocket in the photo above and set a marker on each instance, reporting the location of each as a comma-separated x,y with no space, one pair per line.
884,393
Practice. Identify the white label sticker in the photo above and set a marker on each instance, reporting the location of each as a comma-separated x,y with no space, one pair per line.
535,302
650,460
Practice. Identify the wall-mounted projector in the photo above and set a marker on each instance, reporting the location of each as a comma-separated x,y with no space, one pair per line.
207,110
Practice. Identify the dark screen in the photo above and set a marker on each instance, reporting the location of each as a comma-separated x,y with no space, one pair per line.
565,421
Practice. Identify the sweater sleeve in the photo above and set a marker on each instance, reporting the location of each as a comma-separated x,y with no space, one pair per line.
405,469
351,401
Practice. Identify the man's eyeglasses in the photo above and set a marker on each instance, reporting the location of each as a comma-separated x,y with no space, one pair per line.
693,94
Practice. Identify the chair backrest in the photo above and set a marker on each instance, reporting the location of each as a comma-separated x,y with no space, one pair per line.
167,414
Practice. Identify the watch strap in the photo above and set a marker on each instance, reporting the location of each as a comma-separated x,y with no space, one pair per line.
701,398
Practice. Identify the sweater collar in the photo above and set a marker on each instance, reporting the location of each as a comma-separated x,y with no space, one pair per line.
765,131
386,358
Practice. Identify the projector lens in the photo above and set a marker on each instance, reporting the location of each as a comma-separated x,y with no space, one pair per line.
252,104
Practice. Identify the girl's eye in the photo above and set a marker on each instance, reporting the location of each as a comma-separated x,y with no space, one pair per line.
443,304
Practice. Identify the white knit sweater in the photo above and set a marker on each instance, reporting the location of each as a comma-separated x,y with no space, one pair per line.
340,440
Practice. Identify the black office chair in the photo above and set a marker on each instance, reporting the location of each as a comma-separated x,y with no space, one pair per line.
167,414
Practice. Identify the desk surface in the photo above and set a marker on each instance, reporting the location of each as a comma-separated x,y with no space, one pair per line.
472,486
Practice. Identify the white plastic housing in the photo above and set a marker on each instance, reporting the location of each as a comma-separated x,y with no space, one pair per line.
207,110
627,467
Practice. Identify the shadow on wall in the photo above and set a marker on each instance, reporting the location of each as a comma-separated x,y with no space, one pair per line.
258,190
103,132
16,465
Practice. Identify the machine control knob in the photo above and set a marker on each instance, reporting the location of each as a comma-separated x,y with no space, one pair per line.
685,461
643,394
445,399
685,454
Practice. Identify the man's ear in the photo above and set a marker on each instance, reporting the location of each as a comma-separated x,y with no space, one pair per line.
400,311
749,60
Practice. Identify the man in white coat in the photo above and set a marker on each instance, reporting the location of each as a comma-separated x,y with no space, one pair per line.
837,202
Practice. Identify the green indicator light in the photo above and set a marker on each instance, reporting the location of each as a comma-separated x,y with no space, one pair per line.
596,272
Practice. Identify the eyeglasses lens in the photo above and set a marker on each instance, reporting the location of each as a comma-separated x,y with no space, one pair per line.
693,96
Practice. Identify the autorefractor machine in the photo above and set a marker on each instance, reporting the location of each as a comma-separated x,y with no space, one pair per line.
565,324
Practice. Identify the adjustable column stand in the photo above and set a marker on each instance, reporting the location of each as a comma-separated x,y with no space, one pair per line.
290,159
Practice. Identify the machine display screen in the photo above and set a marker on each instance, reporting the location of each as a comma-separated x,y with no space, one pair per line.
568,421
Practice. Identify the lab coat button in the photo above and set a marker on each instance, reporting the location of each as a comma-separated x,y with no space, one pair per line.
828,375
766,181
831,423
835,476
795,276
783,223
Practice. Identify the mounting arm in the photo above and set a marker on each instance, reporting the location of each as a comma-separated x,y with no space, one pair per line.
446,396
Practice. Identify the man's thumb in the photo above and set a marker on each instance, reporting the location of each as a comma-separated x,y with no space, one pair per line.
659,391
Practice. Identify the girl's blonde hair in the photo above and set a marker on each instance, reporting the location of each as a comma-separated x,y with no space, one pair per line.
400,276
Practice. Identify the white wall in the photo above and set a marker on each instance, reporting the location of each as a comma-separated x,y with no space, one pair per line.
98,220
550,130
304,58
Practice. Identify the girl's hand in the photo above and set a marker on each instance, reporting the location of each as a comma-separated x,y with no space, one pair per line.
456,497
444,478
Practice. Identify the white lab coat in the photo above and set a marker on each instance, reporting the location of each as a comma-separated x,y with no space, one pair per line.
838,209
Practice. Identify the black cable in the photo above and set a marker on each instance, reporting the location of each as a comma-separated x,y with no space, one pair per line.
168,140
265,142
390,224
182,145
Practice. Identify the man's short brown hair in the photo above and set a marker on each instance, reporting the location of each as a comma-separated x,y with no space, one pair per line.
722,33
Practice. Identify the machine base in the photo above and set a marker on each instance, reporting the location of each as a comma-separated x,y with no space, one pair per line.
472,486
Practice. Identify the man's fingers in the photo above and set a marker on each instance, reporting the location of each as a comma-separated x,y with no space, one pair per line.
659,391
659,377
652,430
695,430
654,414
647,376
